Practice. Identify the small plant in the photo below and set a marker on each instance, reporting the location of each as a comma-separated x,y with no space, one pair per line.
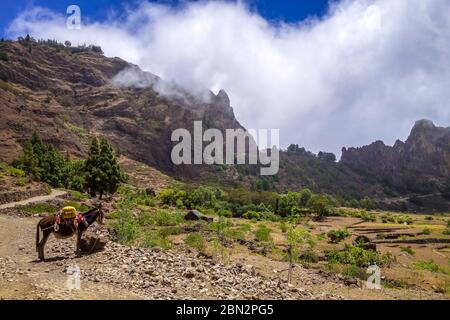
407,250
127,227
170,231
430,266
426,231
429,218
387,218
263,233
40,208
196,241
22,181
337,236
446,232
166,218
4,56
360,257
283,227
156,239
309,256
404,220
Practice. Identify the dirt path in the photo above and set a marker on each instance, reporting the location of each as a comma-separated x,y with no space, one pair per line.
22,277
54,194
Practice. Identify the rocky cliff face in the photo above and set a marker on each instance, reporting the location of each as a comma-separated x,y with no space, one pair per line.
68,96
421,164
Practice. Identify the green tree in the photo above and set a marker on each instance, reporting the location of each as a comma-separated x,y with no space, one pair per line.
110,175
305,196
321,205
51,165
91,168
288,204
28,161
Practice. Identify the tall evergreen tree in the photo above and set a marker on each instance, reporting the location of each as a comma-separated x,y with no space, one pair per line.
110,173
91,168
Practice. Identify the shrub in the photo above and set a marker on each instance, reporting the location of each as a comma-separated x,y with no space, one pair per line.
446,232
387,218
170,231
127,228
196,241
288,204
15,172
429,218
4,56
309,256
21,181
156,239
166,218
426,231
172,196
366,216
357,256
408,250
283,227
322,205
431,266
202,197
252,215
337,236
224,213
404,220
263,233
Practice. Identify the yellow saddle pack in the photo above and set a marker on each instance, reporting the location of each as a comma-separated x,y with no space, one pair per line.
69,212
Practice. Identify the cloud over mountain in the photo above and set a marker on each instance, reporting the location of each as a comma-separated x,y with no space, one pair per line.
365,71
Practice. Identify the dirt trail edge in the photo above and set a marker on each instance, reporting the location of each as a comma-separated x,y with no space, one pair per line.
53,194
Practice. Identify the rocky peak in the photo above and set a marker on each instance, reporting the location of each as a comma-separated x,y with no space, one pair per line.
222,100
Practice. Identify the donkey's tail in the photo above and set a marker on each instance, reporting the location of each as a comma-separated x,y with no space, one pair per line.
37,236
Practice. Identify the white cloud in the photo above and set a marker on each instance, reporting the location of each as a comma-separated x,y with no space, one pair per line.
366,71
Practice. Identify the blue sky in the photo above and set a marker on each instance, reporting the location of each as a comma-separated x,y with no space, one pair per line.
272,10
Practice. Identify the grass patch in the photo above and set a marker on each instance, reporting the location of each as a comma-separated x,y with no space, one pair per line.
79,195
196,240
154,238
39,208
432,266
262,233
166,218
127,227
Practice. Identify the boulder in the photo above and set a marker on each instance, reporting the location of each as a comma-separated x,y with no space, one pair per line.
195,215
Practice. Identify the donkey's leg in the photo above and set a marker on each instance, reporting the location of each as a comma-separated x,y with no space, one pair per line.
78,250
46,235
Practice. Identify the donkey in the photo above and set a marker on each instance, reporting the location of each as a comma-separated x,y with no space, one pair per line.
65,231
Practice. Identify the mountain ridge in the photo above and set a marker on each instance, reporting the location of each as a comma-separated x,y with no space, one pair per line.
68,95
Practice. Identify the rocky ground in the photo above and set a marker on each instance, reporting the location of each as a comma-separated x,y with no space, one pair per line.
121,272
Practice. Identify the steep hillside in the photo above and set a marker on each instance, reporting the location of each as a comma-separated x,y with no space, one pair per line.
68,94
